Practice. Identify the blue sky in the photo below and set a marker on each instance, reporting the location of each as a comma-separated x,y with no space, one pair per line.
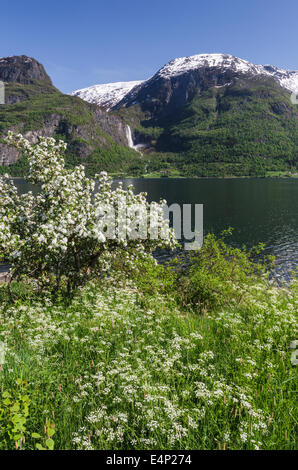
82,43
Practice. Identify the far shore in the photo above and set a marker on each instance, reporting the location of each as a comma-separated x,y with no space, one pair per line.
173,175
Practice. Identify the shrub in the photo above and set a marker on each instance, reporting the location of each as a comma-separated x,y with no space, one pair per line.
220,275
61,236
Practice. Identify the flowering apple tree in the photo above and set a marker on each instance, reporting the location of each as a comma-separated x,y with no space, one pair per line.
72,230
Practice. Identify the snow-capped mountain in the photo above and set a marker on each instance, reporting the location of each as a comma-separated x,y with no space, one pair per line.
202,70
286,78
179,81
184,64
106,95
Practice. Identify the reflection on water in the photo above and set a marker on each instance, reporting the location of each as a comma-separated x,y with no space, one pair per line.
260,210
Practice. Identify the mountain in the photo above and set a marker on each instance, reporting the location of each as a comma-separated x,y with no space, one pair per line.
106,95
177,83
34,107
214,115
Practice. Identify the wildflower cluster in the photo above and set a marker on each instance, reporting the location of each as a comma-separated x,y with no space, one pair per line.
119,370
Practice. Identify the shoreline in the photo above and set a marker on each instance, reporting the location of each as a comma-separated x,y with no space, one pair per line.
201,177
181,177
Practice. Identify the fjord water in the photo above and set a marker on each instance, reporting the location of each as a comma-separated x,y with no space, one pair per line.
259,210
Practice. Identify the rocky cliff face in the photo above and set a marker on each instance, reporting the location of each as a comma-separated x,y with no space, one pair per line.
112,125
82,139
162,95
9,155
22,69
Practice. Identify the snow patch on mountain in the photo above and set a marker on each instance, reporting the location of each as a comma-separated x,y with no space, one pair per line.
286,78
290,81
184,64
106,95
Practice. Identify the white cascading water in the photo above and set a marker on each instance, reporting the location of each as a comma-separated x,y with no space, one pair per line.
130,141
129,137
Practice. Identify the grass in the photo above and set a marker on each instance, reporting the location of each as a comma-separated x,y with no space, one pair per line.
281,174
126,367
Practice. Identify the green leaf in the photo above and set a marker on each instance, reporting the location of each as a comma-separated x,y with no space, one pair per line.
50,444
35,435
39,447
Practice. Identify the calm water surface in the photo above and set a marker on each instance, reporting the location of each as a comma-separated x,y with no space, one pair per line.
260,210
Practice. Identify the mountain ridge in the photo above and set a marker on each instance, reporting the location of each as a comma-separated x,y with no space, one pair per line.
127,91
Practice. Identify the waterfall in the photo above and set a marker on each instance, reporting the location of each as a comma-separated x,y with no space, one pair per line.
130,141
129,137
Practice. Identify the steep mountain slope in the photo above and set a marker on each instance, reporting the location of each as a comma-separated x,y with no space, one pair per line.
34,107
247,128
